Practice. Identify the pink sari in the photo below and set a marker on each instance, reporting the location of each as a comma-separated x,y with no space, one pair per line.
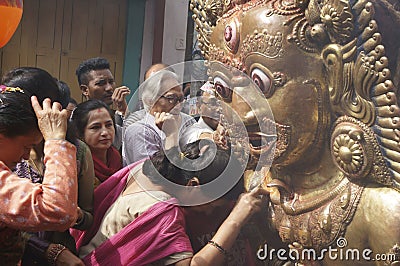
157,233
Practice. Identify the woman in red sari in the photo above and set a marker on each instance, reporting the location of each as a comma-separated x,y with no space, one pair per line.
94,124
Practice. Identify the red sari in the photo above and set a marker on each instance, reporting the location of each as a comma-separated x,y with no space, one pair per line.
114,163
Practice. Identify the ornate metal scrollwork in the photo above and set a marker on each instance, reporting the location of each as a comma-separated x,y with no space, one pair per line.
356,152
351,149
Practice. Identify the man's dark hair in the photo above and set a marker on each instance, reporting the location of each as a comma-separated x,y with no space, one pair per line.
97,63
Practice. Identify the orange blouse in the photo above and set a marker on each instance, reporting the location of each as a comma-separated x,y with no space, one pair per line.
51,205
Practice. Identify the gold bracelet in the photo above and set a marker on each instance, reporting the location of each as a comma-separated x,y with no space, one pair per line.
217,246
54,252
79,221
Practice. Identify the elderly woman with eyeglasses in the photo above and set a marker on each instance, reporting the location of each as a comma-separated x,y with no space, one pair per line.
162,97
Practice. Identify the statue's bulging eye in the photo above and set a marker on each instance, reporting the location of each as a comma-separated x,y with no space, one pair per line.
231,36
222,89
263,81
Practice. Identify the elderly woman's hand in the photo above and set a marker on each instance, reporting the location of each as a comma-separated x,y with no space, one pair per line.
168,123
52,119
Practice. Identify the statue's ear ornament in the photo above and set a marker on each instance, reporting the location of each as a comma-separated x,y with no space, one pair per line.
356,152
365,140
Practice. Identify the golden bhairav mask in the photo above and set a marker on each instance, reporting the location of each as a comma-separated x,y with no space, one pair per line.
315,61
329,70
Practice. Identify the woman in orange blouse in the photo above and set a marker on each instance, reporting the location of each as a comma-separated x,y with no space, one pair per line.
24,205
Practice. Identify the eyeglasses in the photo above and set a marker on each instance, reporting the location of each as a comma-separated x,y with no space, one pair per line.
173,99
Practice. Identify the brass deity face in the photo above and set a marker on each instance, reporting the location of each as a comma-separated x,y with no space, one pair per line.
328,70
260,42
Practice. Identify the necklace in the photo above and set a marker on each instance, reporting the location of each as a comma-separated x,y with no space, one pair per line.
298,203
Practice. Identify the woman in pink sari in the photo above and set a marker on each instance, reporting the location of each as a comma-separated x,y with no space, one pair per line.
94,124
138,215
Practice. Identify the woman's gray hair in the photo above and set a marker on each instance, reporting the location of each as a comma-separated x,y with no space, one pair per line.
154,87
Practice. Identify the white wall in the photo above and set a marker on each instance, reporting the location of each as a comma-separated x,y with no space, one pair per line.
175,25
174,38
148,37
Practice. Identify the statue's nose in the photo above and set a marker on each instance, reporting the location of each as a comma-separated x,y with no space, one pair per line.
244,94
241,105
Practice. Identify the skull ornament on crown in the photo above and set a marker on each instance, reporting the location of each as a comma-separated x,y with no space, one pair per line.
329,70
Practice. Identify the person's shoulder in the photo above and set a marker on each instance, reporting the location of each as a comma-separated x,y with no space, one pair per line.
186,116
132,131
187,119
81,149
388,200
137,125
134,117
139,113
384,199
141,128
81,144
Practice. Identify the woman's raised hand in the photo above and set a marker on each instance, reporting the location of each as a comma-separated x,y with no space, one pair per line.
52,119
119,98
167,122
248,204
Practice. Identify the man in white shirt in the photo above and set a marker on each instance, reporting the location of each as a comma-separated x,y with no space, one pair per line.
209,124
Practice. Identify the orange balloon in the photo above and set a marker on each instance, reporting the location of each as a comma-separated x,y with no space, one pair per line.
10,14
